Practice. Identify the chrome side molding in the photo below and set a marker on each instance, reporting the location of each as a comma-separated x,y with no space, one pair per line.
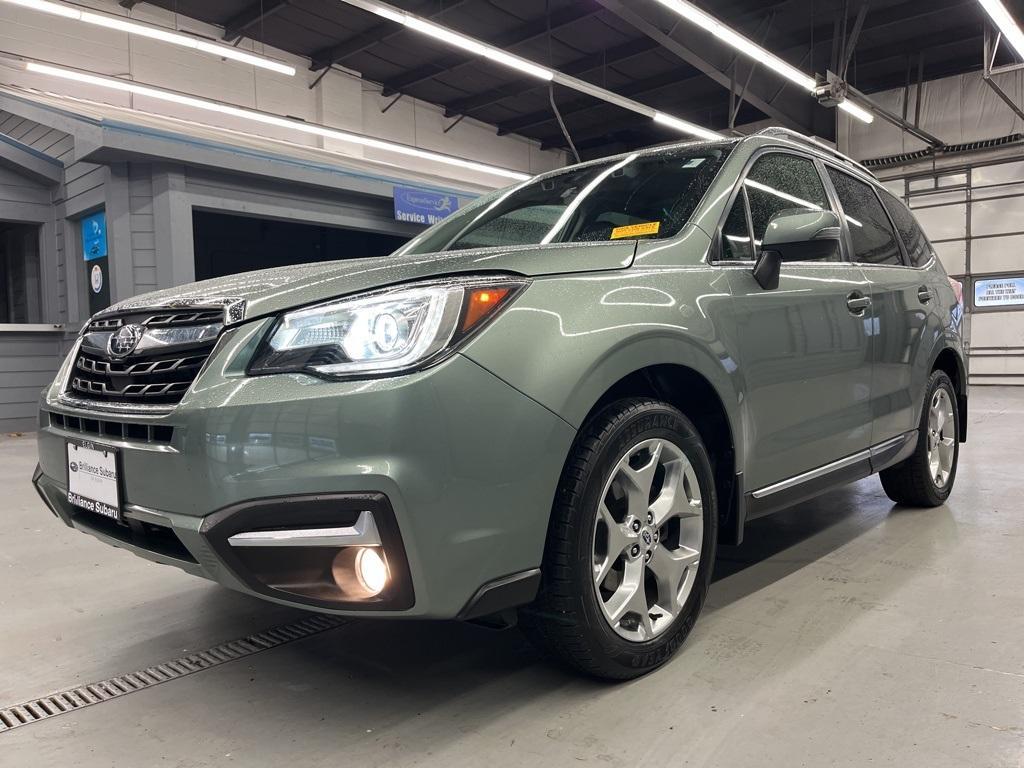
870,453
813,474
877,450
364,534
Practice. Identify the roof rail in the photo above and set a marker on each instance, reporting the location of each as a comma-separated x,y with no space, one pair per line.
797,136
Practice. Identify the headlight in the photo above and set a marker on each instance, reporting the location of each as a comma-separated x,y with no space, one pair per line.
384,332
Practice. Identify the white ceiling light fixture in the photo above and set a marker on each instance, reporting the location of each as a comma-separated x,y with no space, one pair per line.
453,38
482,49
857,111
748,47
154,33
1005,23
269,119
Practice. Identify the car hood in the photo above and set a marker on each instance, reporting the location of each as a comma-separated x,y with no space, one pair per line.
268,291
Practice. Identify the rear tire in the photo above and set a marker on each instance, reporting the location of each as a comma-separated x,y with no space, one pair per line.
626,568
925,479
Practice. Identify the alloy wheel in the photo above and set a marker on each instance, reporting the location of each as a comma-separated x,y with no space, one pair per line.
647,539
941,438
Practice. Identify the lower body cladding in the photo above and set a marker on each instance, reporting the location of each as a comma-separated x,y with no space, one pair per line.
425,496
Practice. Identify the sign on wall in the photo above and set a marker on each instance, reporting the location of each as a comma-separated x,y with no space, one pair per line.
94,236
419,206
999,292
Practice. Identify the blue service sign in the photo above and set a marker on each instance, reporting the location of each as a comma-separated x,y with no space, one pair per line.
94,236
419,206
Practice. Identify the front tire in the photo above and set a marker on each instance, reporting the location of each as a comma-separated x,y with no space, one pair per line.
925,479
631,543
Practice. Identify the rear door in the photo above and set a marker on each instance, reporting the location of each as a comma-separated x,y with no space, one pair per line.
904,325
804,354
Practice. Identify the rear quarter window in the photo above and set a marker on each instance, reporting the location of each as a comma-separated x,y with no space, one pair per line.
919,251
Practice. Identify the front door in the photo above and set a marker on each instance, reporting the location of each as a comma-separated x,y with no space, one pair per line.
804,349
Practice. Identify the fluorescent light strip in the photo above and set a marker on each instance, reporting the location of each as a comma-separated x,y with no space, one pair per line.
453,38
1005,23
475,47
748,47
268,119
857,111
153,33
479,48
684,126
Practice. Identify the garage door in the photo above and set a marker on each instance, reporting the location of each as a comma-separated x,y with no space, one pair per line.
975,218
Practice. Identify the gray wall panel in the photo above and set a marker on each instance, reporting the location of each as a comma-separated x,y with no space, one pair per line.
34,358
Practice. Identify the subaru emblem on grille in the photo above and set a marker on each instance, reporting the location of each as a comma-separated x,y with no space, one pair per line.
123,342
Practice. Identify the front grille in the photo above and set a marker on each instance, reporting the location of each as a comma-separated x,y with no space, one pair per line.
158,434
157,376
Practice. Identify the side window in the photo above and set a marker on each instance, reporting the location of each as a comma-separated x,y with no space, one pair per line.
874,242
735,234
919,252
781,182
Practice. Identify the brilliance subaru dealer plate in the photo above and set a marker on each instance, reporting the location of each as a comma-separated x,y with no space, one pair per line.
92,479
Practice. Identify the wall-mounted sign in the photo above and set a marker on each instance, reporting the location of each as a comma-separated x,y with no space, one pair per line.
94,236
999,292
96,278
419,206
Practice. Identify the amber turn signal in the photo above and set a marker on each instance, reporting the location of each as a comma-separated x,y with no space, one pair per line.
481,302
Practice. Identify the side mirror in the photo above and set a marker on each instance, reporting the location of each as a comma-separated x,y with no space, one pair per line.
796,235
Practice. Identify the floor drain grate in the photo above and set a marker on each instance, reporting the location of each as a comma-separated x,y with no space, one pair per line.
73,699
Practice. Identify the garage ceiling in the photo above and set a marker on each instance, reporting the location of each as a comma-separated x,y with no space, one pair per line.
633,47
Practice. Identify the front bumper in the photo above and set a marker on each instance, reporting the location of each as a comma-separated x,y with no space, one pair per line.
463,465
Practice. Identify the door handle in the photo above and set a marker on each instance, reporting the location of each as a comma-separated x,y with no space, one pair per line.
857,302
924,294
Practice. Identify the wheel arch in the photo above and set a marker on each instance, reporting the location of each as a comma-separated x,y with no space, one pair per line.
951,362
697,397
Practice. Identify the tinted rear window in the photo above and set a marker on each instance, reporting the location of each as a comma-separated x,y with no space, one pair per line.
874,241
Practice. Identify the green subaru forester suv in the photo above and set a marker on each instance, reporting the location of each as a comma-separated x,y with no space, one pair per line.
551,407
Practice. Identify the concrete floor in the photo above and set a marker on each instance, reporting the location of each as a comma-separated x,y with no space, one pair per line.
845,632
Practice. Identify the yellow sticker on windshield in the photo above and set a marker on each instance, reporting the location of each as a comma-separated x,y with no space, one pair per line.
636,230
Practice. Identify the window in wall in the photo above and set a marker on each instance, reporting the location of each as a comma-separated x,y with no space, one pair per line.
226,244
914,240
874,241
782,182
20,294
736,235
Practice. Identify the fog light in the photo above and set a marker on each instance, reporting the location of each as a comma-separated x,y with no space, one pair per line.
360,571
371,570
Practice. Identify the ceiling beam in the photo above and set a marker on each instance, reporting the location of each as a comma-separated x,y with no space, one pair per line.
616,55
877,20
523,33
250,16
378,33
787,107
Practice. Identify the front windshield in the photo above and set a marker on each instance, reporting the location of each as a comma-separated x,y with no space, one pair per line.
645,195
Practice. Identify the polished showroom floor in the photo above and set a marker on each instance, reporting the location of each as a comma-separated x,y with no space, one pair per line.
844,632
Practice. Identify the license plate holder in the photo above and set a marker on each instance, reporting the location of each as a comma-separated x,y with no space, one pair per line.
94,478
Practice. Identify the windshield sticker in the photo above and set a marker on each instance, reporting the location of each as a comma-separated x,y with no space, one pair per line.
636,230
